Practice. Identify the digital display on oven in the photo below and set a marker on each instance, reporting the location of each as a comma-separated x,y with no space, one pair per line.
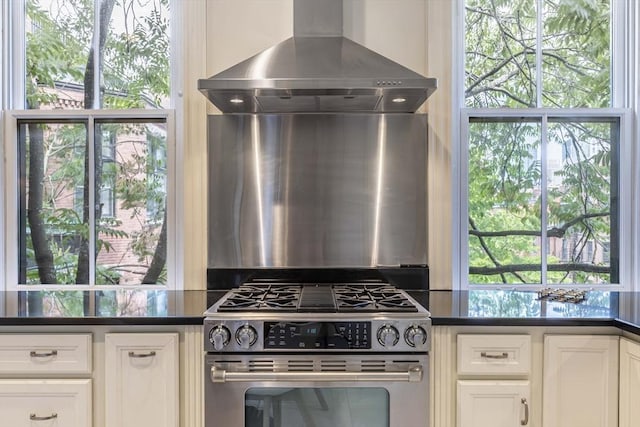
317,335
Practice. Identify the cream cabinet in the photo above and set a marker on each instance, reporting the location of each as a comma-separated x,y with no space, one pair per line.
493,389
32,354
580,381
629,383
141,379
28,403
486,403
481,354
41,383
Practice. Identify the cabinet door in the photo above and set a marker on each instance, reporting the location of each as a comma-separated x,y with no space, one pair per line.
629,383
141,380
28,403
484,403
580,383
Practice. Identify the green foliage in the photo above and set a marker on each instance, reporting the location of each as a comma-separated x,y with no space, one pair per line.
135,74
500,61
505,170
56,50
138,62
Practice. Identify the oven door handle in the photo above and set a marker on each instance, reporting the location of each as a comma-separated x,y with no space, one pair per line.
413,374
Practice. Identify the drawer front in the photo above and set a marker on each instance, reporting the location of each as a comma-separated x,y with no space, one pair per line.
26,354
29,403
494,354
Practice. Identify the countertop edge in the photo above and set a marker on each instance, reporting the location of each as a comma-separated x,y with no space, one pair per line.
199,320
514,321
101,321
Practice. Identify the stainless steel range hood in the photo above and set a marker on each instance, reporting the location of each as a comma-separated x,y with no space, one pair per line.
317,70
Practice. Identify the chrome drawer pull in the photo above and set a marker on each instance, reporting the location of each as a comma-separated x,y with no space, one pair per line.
34,417
48,354
139,355
494,356
413,374
526,412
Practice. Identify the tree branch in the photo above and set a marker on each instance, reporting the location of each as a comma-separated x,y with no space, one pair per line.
511,268
552,232
491,256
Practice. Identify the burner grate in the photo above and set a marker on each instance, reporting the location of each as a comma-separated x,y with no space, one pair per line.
371,298
263,298
317,297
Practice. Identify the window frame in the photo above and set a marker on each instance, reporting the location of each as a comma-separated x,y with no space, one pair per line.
12,25
625,17
625,187
11,177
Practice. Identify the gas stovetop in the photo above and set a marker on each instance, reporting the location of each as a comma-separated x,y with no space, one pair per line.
295,297
267,317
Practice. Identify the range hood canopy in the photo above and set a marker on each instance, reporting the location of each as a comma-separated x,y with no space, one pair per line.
317,70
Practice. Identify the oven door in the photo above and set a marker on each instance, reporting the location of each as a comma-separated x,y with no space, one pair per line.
378,390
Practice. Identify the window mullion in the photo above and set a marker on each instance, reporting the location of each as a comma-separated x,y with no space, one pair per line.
95,47
14,46
543,199
92,199
463,154
622,53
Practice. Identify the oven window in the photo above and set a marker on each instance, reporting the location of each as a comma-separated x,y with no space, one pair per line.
317,407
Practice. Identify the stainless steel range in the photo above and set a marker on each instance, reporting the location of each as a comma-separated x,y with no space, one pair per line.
312,355
318,162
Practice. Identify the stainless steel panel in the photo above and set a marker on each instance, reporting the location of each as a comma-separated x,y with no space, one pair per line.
317,190
317,18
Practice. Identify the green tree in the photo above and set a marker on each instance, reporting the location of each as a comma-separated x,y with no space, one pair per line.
505,182
132,72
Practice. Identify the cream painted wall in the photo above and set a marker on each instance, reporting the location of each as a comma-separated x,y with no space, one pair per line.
395,29
191,133
402,30
441,24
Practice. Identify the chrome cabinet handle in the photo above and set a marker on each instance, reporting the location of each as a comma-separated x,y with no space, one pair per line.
48,354
526,412
34,417
494,356
413,374
140,355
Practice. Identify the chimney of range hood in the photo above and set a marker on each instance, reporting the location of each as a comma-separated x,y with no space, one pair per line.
313,18
317,70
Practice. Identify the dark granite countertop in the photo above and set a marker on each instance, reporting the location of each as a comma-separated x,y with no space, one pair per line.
107,307
161,307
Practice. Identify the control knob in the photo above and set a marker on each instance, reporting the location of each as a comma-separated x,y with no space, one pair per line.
388,336
219,337
415,336
246,336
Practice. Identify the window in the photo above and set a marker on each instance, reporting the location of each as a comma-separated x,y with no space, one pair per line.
543,146
92,141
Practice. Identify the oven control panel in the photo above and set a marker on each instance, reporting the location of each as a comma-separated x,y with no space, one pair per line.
317,335
322,335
